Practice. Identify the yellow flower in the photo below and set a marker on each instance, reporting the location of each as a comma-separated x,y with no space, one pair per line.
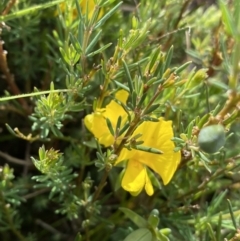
154,134
96,122
84,4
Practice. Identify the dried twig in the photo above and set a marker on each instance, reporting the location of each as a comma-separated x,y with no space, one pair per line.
8,7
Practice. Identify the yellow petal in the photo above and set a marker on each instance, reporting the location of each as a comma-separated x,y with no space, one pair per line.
158,135
84,4
96,123
134,177
114,110
122,95
148,185
90,4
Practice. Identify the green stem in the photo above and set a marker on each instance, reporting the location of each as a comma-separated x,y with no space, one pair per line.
100,186
33,94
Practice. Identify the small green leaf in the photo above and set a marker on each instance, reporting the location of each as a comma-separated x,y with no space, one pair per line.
107,16
147,149
29,10
118,126
135,218
182,67
142,234
128,75
151,109
125,127
93,42
99,50
110,127
168,58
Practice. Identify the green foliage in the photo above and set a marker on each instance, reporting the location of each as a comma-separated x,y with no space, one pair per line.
177,59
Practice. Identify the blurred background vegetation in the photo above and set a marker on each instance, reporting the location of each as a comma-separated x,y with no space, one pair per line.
47,157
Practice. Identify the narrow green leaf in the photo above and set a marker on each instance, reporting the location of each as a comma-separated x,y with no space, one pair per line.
75,43
128,75
29,10
189,129
99,50
122,86
147,149
149,118
232,214
118,126
227,19
93,42
134,98
141,101
110,127
78,7
154,58
211,233
125,127
182,67
218,84
151,109
10,130
65,56
191,96
100,157
204,161
219,227
168,58
134,217
107,16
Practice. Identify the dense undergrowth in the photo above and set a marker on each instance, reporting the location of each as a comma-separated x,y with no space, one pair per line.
119,120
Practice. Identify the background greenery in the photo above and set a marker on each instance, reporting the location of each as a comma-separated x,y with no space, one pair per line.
48,162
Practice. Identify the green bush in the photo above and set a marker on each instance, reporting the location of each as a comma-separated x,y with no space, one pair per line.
119,120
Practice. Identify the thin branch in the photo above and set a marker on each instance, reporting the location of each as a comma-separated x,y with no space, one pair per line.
8,7
14,159
50,228
36,193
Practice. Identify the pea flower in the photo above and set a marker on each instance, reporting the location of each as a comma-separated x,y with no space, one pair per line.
156,135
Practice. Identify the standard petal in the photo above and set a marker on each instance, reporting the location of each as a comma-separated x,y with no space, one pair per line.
125,155
122,95
134,178
96,123
114,110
